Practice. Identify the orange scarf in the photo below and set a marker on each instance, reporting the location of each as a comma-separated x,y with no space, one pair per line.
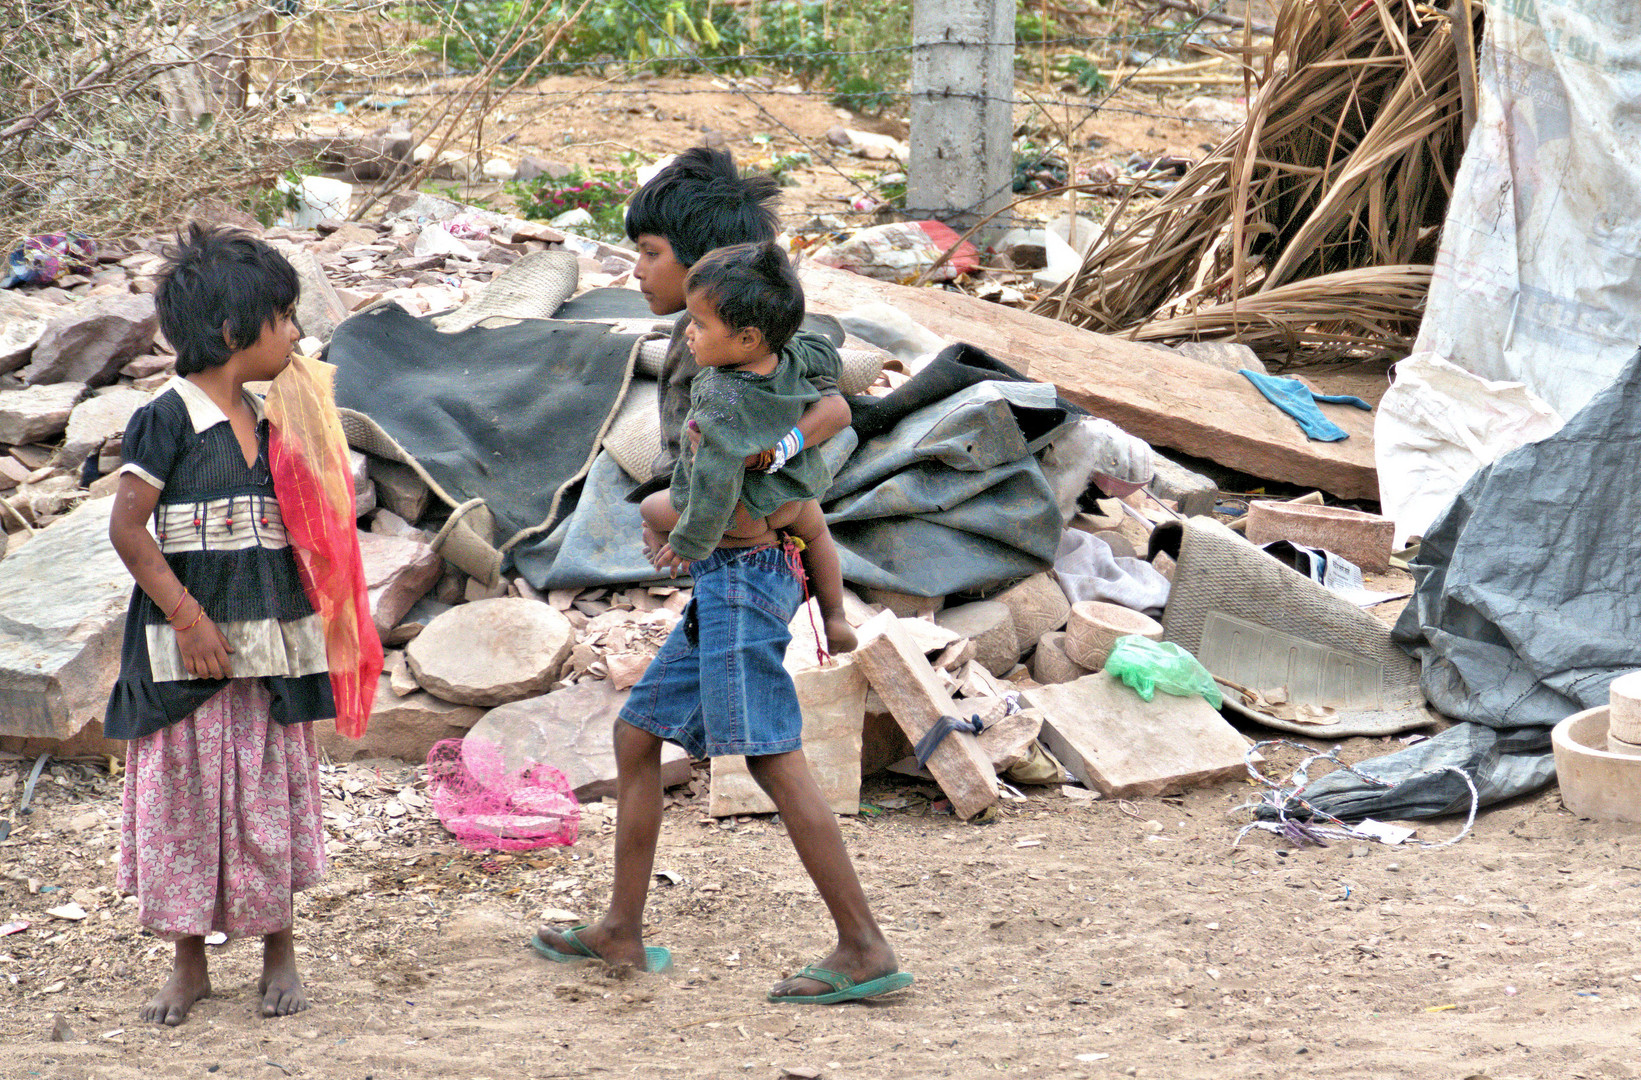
313,482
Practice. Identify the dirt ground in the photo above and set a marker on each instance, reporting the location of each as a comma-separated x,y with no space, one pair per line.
1068,938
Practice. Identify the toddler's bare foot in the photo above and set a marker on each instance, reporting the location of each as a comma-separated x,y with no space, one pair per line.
840,636
187,984
281,986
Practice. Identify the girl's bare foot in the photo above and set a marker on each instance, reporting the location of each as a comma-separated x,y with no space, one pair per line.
187,984
840,636
281,986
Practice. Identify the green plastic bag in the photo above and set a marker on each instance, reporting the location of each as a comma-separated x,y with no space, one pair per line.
1148,666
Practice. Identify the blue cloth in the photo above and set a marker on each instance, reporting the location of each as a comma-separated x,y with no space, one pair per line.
1299,401
718,685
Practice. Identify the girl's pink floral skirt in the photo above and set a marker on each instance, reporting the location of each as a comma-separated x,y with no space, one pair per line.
221,823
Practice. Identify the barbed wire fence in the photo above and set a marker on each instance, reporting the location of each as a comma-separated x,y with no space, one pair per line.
438,69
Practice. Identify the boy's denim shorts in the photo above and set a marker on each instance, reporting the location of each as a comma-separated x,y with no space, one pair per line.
718,685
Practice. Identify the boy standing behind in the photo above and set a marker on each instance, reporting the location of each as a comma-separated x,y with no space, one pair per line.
719,686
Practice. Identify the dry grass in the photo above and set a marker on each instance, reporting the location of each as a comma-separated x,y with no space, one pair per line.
1308,234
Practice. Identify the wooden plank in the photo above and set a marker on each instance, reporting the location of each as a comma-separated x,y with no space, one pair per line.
908,685
1113,740
1167,400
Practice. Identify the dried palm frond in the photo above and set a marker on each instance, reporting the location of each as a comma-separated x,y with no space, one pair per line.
1308,233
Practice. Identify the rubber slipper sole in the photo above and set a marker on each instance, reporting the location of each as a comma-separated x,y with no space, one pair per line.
872,988
657,958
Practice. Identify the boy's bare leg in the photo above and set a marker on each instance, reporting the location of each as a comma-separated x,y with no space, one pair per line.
618,937
188,983
862,953
281,985
825,569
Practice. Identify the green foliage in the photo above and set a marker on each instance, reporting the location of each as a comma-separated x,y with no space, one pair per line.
859,50
603,193
1082,70
269,204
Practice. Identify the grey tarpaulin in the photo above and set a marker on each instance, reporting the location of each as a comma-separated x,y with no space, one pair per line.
1526,606
951,498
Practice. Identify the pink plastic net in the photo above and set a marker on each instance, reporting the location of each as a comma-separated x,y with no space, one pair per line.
488,807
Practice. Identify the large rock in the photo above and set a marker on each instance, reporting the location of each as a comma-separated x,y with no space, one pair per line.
63,597
569,729
833,702
398,572
318,308
89,342
37,413
492,651
23,322
990,626
95,420
400,727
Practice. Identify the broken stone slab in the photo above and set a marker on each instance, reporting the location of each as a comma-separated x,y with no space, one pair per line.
1007,742
882,743
96,420
833,701
1113,740
364,490
990,626
399,489
318,308
415,621
37,412
89,341
403,727
1169,401
569,729
492,651
1229,355
1193,493
398,572
401,680
23,322
64,596
1038,605
913,692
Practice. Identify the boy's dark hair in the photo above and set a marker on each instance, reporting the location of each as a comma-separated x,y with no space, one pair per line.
751,285
700,202
215,278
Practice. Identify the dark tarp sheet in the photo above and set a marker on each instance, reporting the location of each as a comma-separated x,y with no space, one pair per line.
1526,606
952,498
510,414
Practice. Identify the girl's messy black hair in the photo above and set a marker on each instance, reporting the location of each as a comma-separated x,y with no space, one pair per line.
699,202
217,279
751,285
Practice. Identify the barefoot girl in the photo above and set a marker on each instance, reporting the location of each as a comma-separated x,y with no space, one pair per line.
224,659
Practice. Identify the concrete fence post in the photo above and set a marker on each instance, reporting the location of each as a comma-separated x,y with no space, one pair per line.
962,97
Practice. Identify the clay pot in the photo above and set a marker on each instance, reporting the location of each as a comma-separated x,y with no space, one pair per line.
1095,626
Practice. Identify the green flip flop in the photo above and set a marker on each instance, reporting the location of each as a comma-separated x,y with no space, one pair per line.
843,987
657,959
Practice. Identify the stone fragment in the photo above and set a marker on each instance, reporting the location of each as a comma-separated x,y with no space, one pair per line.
415,621
64,596
1038,605
1007,742
152,364
401,680
492,652
1113,740
399,489
902,677
1230,355
905,605
569,729
1050,664
96,420
1360,537
1194,493
388,523
400,727
364,489
88,342
833,701
990,626
882,741
37,412
23,322
398,572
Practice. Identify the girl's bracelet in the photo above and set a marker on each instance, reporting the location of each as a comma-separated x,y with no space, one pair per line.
197,618
183,599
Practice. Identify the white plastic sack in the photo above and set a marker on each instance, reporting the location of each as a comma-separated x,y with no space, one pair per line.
1537,279
1088,570
1436,425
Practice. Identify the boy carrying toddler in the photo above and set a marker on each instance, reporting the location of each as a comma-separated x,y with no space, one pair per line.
718,685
